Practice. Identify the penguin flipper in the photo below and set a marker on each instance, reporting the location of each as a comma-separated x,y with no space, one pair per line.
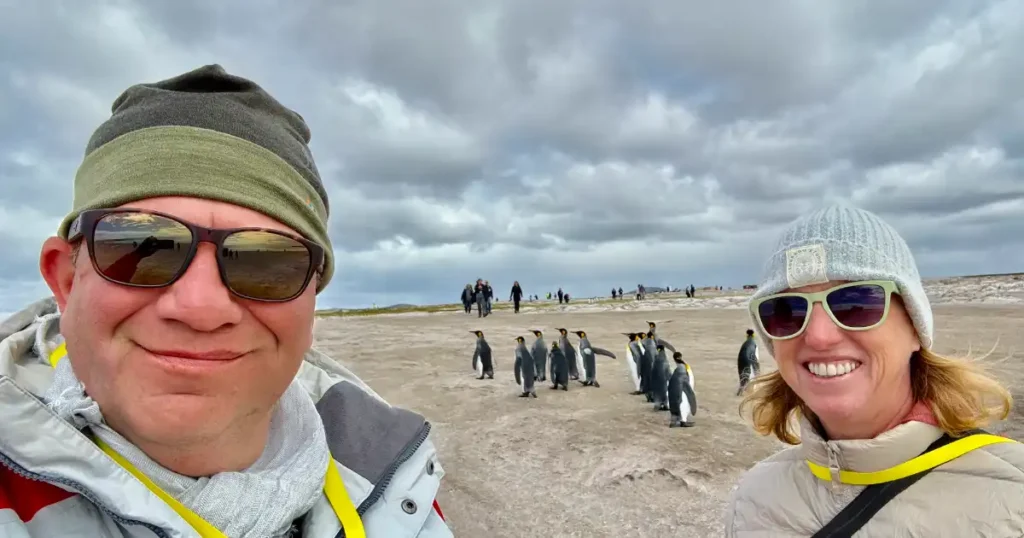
605,352
667,345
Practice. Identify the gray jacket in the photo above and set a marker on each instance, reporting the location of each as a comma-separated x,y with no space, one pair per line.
385,456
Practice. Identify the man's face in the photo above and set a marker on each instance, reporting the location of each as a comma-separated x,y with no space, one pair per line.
123,342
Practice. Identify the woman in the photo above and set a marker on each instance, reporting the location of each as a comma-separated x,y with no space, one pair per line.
516,295
857,369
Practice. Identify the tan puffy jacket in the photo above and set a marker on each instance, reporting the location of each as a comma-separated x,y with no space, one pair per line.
979,494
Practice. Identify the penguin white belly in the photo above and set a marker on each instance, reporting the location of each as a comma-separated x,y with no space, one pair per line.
579,363
631,364
479,366
683,410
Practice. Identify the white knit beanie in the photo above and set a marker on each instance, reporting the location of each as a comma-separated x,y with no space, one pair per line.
844,243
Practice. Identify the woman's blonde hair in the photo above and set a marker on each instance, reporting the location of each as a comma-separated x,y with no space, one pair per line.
961,394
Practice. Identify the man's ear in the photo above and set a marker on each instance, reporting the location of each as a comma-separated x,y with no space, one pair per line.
58,268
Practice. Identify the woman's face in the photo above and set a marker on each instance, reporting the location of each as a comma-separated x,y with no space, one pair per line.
877,384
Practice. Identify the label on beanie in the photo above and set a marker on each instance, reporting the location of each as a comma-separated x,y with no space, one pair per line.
806,265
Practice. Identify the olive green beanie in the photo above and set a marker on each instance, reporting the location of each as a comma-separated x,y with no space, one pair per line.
206,134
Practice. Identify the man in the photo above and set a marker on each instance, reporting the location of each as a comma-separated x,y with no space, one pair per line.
480,296
177,344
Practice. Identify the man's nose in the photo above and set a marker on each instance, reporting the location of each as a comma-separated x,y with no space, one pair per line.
199,298
821,331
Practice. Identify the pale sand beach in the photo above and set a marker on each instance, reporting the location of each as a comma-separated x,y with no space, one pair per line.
598,462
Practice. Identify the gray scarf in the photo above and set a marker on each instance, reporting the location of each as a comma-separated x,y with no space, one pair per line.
260,501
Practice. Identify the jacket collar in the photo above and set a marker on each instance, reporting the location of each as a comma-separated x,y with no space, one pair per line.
890,448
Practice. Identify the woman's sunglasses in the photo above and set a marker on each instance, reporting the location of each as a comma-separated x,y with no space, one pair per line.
148,249
855,306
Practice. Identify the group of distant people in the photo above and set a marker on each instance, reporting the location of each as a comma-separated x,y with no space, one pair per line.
641,292
481,294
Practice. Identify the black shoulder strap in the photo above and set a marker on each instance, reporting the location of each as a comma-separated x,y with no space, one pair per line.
874,497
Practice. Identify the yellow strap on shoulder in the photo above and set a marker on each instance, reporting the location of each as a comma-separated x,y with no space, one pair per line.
57,354
203,527
343,507
924,462
334,487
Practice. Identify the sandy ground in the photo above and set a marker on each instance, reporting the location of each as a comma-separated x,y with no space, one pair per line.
599,462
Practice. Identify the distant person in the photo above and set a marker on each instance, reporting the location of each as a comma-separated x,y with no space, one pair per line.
480,296
561,296
693,291
467,298
842,309
613,293
488,295
620,293
516,296
185,398
566,298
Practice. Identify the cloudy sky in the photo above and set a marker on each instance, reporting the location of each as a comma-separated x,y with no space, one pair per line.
586,144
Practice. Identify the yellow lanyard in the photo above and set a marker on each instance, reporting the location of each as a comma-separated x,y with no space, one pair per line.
921,463
334,488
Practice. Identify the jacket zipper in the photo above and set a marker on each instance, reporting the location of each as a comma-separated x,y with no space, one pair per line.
380,486
378,489
24,473
833,466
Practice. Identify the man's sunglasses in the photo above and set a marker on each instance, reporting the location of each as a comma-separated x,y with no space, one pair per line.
855,306
148,249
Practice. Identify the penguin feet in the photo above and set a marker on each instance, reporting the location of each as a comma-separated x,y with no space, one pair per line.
533,394
688,424
595,384
526,395
481,377
554,387
637,392
565,388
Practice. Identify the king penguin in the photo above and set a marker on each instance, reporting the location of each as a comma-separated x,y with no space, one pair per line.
589,354
634,351
482,360
540,355
747,362
652,327
570,353
660,373
524,369
682,400
559,368
650,345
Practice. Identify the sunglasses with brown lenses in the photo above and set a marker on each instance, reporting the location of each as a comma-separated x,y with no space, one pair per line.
149,249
